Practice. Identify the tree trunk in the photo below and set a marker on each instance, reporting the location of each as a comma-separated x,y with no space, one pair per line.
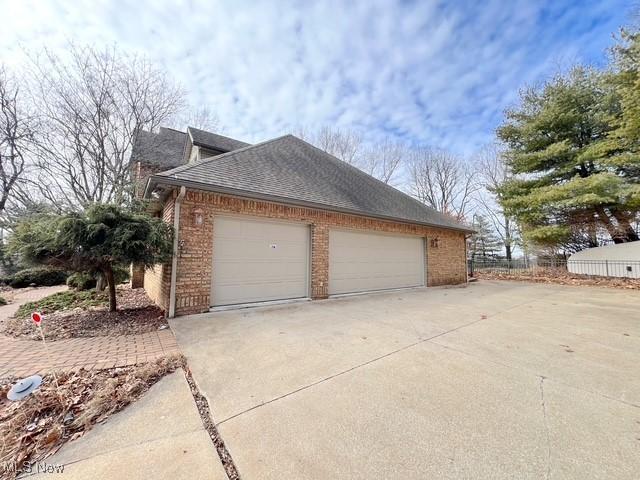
101,284
611,228
111,282
507,248
627,231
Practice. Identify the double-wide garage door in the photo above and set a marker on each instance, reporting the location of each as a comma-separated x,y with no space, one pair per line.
365,261
258,261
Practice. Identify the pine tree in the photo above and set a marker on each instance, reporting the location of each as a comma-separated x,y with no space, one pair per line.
95,240
484,242
569,175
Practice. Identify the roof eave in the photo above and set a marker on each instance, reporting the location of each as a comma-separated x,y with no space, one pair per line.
155,180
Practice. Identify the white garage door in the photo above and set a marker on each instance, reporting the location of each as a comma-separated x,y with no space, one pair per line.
256,261
365,261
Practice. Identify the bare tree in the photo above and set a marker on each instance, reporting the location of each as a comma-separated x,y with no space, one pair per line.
203,118
16,135
341,143
493,172
442,181
92,104
384,159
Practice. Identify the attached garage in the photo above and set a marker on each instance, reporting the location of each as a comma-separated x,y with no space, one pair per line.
258,261
367,261
284,220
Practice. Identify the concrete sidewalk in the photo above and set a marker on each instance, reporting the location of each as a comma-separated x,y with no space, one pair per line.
160,436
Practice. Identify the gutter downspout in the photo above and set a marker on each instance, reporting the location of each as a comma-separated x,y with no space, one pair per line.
466,258
176,251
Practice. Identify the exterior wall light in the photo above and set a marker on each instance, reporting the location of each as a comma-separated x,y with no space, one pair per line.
198,217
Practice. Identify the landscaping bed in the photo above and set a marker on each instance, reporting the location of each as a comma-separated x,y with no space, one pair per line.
36,427
73,314
561,277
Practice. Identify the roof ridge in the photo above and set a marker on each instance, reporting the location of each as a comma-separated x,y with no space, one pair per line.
188,166
216,134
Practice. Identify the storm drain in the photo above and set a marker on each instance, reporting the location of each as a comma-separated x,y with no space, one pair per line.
210,427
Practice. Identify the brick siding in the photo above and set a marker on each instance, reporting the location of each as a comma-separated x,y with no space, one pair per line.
157,280
445,255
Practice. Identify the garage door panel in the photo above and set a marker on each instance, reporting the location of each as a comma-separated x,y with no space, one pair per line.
365,261
257,261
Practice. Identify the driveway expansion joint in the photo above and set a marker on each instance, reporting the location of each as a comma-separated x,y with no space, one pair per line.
202,404
373,360
351,369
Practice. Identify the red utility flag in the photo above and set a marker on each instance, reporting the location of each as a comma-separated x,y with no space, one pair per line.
36,317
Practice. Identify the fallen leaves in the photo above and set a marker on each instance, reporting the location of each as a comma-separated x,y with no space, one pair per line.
136,314
36,427
559,276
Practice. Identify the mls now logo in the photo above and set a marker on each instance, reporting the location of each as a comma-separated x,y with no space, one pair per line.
30,468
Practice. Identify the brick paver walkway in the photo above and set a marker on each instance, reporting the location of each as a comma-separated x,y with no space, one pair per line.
22,357
26,357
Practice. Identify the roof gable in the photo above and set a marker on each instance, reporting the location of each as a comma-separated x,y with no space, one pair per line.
163,149
214,141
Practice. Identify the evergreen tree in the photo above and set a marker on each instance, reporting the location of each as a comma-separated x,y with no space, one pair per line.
484,242
95,240
569,177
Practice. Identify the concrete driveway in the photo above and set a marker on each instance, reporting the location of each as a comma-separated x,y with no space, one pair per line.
496,380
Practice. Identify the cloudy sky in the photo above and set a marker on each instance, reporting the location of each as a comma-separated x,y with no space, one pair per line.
427,72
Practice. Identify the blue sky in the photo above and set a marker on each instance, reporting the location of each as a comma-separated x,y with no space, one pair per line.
428,73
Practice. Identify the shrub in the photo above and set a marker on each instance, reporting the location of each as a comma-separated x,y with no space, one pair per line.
63,301
3,301
81,281
87,281
121,274
38,276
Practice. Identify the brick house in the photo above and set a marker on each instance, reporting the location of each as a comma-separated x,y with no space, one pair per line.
282,220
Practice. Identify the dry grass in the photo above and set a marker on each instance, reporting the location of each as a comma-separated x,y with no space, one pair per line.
36,427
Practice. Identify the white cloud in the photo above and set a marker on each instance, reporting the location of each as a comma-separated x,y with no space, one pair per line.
429,73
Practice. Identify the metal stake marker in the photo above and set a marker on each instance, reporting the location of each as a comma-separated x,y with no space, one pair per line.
37,319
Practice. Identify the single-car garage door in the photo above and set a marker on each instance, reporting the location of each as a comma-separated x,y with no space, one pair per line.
257,261
365,261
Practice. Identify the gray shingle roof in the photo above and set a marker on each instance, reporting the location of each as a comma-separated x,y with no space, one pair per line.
164,148
215,141
289,170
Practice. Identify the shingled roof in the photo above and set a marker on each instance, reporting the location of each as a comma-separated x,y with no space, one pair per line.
164,148
290,170
214,141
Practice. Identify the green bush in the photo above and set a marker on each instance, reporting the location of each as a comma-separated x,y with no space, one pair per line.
38,276
81,281
63,301
121,274
3,301
87,281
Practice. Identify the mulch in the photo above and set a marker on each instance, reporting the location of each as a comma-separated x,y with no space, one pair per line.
562,278
136,314
39,425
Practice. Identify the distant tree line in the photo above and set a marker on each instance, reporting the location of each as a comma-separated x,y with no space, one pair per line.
562,175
